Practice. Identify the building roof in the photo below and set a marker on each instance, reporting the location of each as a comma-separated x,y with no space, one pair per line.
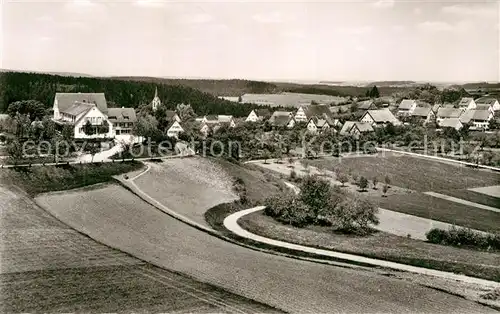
486,101
467,116
320,122
66,100
212,118
170,124
317,111
170,114
481,115
436,107
224,118
361,126
262,113
366,104
450,123
122,115
281,120
382,115
421,112
449,112
278,114
406,104
484,106
465,101
77,108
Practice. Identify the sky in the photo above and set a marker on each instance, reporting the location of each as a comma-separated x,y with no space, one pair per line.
290,40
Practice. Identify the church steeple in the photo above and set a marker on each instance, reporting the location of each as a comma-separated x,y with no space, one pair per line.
156,100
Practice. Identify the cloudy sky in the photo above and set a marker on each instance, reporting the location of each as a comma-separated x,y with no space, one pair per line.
321,40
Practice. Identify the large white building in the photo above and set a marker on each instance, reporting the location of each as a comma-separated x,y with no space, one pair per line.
89,116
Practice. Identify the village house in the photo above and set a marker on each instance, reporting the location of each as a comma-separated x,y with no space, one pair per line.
282,119
467,103
316,124
356,128
451,123
492,102
481,119
76,109
406,107
448,113
305,113
487,107
258,115
379,117
174,128
366,105
172,115
122,119
423,115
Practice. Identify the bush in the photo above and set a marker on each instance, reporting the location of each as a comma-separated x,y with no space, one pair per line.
240,189
464,237
293,176
288,209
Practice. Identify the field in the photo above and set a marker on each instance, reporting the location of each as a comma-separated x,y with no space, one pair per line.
424,175
412,173
48,267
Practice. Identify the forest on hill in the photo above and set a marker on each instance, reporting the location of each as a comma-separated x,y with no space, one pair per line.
15,86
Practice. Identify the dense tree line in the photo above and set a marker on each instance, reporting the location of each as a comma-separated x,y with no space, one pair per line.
16,86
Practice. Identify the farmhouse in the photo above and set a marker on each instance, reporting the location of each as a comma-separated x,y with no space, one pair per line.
366,105
173,129
316,124
282,119
258,115
172,115
356,128
406,107
225,119
467,103
451,123
76,109
423,115
305,113
481,119
489,101
448,113
122,119
379,117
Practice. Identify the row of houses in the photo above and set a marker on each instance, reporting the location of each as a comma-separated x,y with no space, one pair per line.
476,113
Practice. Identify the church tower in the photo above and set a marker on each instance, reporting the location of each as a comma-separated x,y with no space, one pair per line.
156,101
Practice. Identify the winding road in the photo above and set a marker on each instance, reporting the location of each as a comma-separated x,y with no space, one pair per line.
114,216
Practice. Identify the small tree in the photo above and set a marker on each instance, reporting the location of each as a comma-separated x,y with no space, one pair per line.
15,150
240,189
343,178
374,181
385,189
290,162
363,183
93,149
266,154
387,181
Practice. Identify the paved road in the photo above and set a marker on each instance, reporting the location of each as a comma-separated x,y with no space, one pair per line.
126,222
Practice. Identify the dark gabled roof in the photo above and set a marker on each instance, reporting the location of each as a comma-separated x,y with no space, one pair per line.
317,111
170,114
466,116
486,101
366,104
263,113
281,120
279,114
361,126
212,118
484,106
421,112
121,115
66,100
481,115
77,108
169,125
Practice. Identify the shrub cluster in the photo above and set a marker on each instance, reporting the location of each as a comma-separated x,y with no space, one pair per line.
319,203
464,237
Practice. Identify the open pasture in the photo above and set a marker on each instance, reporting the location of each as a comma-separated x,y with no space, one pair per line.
412,173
